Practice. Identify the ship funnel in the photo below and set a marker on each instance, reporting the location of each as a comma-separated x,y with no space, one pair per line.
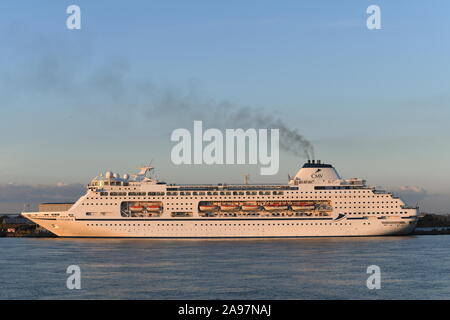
317,171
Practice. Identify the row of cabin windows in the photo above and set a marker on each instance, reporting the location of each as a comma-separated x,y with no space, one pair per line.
372,201
109,183
374,207
222,193
333,189
275,192
255,197
194,193
220,224
241,193
384,212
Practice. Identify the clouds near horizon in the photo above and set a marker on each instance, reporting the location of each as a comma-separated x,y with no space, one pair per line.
15,198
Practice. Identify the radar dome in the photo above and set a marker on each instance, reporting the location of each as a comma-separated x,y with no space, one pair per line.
126,176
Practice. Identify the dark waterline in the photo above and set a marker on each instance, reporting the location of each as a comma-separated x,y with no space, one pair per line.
414,267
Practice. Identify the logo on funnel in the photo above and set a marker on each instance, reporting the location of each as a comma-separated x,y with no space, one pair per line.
317,174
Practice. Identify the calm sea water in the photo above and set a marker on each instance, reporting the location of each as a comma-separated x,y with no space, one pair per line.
415,267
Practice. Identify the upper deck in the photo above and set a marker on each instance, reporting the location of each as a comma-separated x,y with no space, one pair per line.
317,175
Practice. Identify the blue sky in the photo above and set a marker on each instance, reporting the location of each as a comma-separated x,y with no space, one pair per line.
76,103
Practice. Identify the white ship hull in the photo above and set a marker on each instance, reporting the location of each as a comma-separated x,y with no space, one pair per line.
229,228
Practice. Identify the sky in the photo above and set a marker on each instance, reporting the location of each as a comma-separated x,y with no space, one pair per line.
75,103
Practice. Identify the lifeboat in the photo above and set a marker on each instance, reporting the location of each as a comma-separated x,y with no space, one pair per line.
275,207
208,207
250,207
153,208
136,208
302,206
229,207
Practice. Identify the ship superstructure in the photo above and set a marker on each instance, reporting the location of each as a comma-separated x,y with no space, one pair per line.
316,202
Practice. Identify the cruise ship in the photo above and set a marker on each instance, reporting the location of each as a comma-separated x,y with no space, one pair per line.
316,202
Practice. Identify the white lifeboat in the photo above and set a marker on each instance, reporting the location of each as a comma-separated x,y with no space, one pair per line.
229,207
250,207
153,208
302,206
275,207
208,207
